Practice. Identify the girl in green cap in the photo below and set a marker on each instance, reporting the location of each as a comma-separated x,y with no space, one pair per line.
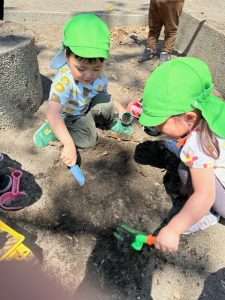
178,99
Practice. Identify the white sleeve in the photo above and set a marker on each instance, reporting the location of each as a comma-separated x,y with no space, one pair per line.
193,156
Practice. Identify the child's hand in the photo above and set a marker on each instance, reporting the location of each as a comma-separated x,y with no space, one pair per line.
167,240
69,155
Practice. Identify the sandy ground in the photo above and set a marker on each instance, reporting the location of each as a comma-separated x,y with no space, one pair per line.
70,229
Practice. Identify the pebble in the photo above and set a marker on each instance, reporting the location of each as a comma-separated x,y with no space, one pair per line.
176,295
114,77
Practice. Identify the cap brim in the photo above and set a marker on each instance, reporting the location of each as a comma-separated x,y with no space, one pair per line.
90,52
146,120
59,60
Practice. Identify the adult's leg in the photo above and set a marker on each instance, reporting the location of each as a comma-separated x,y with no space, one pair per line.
170,11
155,25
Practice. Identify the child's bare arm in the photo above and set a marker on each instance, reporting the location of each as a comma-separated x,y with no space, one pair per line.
58,125
198,204
56,121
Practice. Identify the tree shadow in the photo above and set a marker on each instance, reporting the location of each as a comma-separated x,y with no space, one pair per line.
46,86
12,40
155,154
28,183
120,6
143,42
89,216
214,286
33,190
110,272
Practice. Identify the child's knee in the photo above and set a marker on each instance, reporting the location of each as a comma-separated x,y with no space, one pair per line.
85,141
103,105
88,143
104,114
108,109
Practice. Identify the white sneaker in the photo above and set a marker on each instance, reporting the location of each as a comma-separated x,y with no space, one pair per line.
207,221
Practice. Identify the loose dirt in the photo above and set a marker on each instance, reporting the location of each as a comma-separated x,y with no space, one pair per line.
70,229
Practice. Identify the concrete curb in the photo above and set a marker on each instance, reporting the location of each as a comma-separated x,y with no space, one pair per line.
21,92
208,45
211,50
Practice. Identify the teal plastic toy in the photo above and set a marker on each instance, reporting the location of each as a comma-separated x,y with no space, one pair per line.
44,135
123,125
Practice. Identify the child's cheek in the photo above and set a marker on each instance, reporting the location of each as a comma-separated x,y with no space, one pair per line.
76,73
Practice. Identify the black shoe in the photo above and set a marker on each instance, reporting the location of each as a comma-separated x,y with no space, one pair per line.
5,183
147,55
152,131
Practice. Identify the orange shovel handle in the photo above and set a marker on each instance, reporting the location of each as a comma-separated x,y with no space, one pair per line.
151,240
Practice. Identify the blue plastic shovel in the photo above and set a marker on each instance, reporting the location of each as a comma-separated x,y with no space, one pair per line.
78,174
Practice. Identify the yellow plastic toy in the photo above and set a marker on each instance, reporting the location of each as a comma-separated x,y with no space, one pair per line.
11,244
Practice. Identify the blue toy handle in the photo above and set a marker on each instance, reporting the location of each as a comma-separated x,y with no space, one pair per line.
78,174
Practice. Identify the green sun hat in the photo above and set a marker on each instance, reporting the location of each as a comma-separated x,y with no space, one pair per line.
179,86
87,36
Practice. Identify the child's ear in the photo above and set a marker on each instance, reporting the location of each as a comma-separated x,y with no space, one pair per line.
191,117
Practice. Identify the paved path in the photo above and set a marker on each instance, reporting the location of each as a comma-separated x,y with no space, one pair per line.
213,11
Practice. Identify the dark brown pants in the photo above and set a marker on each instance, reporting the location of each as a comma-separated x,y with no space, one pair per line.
164,13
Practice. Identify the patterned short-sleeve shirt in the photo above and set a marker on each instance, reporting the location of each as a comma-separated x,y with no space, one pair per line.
75,96
193,156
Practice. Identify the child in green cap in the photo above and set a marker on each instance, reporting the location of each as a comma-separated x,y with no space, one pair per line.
178,99
78,98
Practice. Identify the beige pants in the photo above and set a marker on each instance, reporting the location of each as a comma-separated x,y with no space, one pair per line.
164,13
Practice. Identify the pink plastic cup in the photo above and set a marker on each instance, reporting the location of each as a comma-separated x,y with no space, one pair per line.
135,108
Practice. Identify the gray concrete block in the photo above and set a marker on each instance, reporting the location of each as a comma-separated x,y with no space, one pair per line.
208,45
21,91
